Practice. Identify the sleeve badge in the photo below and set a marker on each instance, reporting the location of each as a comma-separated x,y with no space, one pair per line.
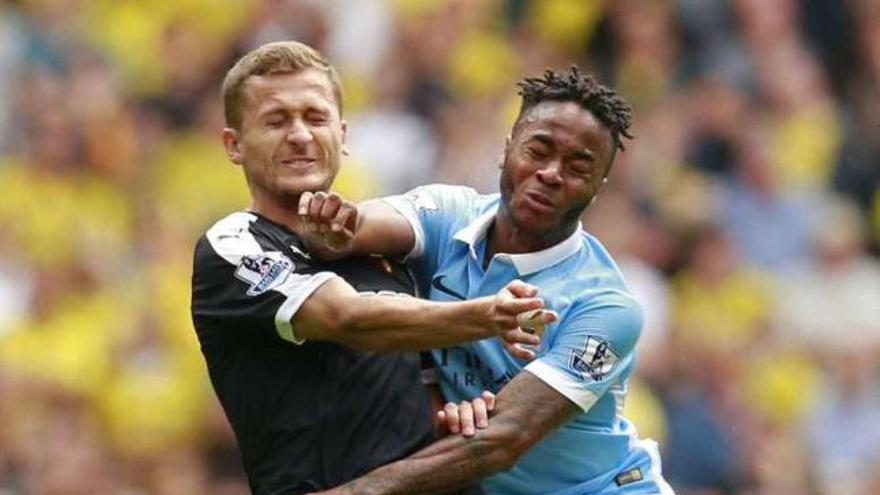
263,271
595,359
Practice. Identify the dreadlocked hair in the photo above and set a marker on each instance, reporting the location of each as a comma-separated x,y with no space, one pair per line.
601,101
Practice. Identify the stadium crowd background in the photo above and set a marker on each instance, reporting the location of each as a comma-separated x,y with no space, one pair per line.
746,215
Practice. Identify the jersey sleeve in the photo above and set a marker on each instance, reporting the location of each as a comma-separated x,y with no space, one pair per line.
593,346
240,286
432,212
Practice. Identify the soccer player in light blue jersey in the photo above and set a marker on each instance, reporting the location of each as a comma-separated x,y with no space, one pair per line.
558,428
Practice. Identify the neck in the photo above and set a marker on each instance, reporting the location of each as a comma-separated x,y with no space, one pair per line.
506,237
281,212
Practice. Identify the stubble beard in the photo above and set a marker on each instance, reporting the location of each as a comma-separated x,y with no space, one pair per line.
568,221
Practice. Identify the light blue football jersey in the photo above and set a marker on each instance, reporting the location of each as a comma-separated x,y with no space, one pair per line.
587,356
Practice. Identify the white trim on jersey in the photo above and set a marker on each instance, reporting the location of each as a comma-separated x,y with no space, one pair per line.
475,231
562,383
655,474
305,285
232,240
406,208
525,263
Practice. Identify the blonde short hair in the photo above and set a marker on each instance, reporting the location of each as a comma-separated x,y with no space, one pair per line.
273,58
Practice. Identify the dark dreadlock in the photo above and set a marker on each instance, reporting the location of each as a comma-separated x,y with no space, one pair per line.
604,103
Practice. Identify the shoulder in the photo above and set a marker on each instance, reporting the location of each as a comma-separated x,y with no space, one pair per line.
595,293
232,233
246,234
611,312
442,197
241,239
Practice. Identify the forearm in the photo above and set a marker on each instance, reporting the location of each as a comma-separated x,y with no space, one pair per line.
443,467
336,312
528,410
381,230
406,323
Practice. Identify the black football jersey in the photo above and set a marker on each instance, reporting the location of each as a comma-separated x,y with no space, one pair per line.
307,415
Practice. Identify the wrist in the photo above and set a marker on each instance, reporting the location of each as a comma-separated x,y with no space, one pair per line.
477,315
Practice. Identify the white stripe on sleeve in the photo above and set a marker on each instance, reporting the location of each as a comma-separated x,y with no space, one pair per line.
562,383
232,240
405,207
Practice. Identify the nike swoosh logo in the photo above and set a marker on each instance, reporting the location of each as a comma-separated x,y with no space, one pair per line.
300,252
437,283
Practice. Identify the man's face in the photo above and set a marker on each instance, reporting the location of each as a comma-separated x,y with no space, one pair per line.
291,135
554,164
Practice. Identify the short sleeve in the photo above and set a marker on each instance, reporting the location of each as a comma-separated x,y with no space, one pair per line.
432,212
593,348
238,285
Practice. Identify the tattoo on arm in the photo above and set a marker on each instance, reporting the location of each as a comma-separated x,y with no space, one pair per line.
527,410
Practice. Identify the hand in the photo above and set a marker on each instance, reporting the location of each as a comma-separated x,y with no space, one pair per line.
518,314
468,416
521,342
329,221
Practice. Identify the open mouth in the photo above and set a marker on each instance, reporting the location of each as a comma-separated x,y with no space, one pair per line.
298,162
539,202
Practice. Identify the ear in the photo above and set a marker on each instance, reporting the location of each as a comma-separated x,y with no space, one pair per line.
503,157
232,145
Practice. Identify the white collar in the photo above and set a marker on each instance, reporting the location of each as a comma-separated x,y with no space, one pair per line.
525,263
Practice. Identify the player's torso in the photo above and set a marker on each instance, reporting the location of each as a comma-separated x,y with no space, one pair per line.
323,413
592,443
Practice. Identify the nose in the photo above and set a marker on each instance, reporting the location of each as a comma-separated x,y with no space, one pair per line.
551,174
299,133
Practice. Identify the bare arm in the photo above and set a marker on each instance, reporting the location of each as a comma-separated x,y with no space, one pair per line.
336,227
382,229
527,410
336,312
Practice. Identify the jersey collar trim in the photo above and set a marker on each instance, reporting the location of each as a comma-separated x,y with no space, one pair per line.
526,263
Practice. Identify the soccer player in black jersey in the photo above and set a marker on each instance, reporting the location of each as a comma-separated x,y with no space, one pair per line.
307,357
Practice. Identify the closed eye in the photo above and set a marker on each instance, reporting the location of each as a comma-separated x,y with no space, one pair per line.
582,168
536,153
275,119
318,118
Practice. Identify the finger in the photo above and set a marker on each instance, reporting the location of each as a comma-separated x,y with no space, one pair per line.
489,399
452,418
316,204
466,416
550,316
304,200
481,413
330,208
517,350
521,289
528,320
520,336
516,306
345,219
536,320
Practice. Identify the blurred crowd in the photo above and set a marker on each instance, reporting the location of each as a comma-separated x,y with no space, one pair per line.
745,215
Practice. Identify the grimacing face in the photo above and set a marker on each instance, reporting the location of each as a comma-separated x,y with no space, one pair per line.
554,164
291,135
